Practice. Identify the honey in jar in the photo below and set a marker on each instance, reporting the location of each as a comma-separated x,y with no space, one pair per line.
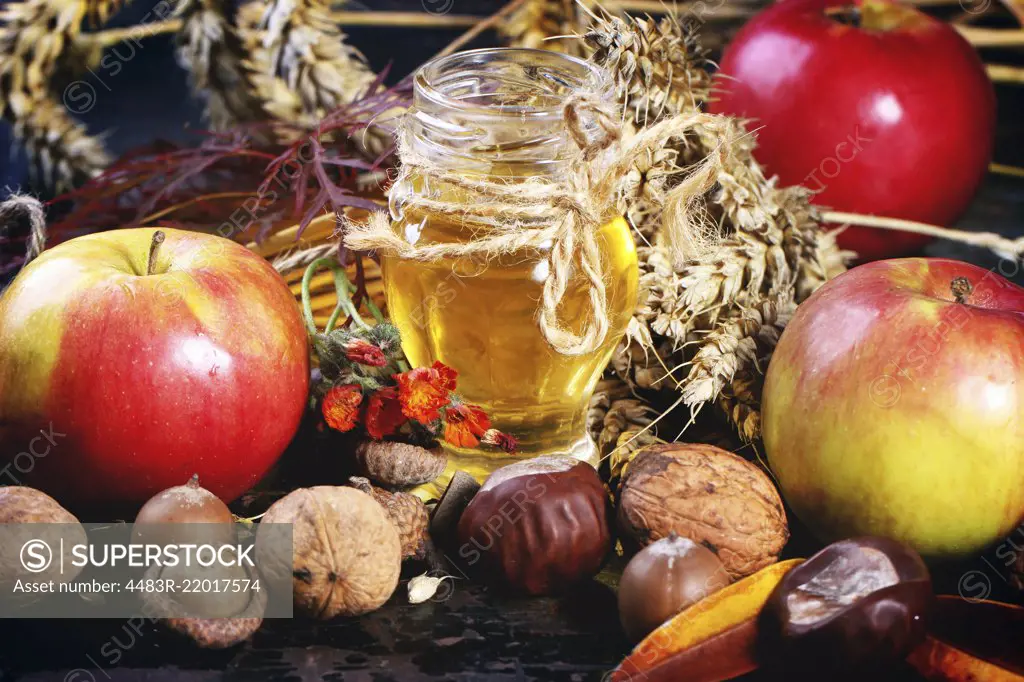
498,113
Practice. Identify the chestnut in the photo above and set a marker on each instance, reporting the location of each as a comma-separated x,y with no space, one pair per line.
856,606
537,526
664,578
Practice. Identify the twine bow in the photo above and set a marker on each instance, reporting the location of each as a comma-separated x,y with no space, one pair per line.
538,213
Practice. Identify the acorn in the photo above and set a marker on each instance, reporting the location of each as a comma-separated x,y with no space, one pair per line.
400,465
189,504
406,511
664,578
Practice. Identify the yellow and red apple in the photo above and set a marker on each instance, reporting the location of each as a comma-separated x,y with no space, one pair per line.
894,406
121,376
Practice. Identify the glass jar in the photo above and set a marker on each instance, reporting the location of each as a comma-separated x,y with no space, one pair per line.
499,113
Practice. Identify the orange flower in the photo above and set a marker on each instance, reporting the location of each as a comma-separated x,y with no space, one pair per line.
464,424
502,440
341,406
425,390
384,413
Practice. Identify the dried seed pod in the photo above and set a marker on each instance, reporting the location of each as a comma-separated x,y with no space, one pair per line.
424,587
400,464
709,495
407,512
346,552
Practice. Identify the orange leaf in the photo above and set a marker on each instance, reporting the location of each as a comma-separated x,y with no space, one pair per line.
713,617
970,641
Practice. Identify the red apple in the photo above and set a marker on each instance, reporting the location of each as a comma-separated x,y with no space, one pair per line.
891,408
877,106
116,382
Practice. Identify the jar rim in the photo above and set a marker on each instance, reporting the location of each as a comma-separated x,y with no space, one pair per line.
428,81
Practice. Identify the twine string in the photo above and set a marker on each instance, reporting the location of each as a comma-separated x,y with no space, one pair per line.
561,215
22,209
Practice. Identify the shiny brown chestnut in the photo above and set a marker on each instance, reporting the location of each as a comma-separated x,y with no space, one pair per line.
857,606
537,526
663,579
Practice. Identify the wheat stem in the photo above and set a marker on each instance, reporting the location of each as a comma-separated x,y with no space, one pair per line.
1003,169
989,240
991,37
480,27
407,19
1004,73
115,36
700,9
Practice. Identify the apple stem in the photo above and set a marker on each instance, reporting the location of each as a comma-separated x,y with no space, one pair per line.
961,288
848,15
154,250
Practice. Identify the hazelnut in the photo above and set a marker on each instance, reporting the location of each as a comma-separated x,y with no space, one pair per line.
400,465
709,495
664,578
538,525
347,555
406,511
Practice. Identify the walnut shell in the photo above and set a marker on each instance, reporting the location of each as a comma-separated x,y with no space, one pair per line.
23,505
706,494
400,464
407,512
347,554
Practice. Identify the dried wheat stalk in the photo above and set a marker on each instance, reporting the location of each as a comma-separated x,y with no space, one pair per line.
300,44
705,326
536,22
658,66
301,68
34,39
211,50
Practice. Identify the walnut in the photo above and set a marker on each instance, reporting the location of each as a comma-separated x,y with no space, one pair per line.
407,512
400,464
22,505
709,495
347,553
